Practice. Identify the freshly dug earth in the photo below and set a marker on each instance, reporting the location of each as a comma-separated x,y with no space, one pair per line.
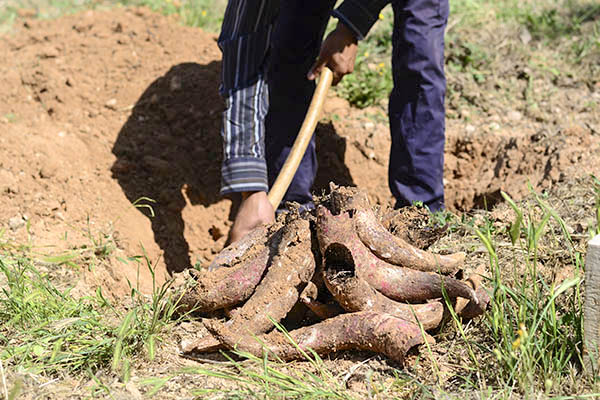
103,109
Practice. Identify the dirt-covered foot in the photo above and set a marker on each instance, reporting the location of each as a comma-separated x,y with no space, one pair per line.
255,210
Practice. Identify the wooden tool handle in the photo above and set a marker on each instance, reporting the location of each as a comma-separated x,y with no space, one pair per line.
302,140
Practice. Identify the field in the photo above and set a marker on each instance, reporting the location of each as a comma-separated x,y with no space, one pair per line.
109,179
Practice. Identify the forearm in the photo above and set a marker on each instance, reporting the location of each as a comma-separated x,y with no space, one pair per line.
360,15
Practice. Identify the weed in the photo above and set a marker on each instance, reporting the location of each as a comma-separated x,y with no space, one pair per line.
47,330
536,324
466,56
548,23
368,85
11,117
102,243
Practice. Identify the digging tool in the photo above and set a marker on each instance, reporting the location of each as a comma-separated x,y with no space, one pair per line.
302,140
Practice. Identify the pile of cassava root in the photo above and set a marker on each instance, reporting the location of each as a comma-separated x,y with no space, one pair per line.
364,287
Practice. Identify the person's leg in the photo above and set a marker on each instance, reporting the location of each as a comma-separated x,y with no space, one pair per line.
296,43
244,40
416,108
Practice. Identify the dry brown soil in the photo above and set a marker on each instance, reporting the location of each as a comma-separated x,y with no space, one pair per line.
103,108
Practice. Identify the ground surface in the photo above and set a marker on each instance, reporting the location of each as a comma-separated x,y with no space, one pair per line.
101,109
104,109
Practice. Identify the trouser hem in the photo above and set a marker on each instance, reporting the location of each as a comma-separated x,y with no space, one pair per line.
244,174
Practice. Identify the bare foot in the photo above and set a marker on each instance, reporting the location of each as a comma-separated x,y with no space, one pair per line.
255,210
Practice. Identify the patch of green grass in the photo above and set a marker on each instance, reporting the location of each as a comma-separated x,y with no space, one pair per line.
561,19
368,85
589,45
467,57
532,334
536,324
274,380
47,330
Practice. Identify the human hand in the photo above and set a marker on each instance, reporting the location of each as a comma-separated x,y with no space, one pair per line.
338,52
254,210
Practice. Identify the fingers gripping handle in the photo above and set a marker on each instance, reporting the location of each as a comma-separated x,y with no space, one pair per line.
302,140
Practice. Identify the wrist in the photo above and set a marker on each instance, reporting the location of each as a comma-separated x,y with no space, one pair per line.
348,33
245,195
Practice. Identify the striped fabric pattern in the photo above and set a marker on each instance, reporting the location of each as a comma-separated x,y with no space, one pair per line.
245,40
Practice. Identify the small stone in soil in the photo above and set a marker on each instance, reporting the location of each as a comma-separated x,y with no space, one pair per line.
15,223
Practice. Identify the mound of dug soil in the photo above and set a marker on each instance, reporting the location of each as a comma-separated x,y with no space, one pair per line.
104,110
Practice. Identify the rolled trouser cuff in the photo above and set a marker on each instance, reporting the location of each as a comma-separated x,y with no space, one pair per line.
244,174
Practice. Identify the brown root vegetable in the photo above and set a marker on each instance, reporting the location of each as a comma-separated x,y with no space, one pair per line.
235,251
398,252
323,311
225,287
355,294
290,269
205,344
472,309
366,270
398,283
232,275
468,309
372,331
292,266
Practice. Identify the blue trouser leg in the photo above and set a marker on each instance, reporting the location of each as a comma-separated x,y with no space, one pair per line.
296,42
416,108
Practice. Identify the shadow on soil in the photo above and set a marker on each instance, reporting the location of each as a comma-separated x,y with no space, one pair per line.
170,146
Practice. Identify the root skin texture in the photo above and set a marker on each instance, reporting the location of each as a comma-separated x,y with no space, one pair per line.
372,331
344,199
398,252
472,309
467,308
355,294
225,287
233,275
292,267
398,283
205,344
235,251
